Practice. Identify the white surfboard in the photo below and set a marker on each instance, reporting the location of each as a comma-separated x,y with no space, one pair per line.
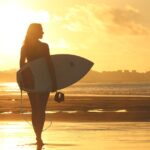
35,77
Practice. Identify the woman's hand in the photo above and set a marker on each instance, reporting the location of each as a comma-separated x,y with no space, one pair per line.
54,87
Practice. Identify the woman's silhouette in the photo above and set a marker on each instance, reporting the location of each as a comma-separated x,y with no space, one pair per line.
32,49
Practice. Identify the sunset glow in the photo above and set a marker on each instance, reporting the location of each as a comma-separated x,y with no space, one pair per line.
115,34
15,18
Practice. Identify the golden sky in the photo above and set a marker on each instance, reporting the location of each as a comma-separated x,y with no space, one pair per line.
114,34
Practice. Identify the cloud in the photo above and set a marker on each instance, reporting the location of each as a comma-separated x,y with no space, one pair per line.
95,18
76,19
92,26
127,20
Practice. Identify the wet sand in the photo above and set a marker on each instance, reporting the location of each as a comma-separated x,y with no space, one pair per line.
81,108
77,136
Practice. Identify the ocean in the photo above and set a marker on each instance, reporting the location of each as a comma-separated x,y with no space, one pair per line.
109,89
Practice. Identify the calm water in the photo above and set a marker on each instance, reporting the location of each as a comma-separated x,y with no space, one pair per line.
78,136
91,89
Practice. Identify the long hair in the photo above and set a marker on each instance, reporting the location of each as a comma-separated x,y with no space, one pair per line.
32,31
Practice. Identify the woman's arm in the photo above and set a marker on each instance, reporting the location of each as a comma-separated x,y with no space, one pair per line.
52,72
52,75
22,57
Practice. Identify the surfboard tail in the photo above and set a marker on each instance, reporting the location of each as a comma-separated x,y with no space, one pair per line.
25,79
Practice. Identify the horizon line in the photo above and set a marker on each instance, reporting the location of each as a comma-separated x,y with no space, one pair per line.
102,71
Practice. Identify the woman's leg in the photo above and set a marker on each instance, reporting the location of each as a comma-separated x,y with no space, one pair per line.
42,101
32,98
38,103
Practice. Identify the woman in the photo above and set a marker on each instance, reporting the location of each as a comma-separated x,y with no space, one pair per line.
32,49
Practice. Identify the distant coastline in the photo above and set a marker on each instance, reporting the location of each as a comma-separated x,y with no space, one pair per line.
119,76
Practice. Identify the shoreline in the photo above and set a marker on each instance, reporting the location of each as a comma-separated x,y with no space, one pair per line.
81,109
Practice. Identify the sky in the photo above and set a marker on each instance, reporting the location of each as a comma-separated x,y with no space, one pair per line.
114,34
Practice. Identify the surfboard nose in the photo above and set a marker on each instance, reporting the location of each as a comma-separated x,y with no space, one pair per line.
73,68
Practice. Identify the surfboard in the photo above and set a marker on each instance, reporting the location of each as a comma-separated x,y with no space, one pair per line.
35,76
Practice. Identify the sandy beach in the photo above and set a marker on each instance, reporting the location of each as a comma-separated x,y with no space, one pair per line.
81,122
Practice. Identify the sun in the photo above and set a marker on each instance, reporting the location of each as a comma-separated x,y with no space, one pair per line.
15,19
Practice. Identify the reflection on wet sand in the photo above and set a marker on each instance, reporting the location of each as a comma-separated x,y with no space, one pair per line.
77,136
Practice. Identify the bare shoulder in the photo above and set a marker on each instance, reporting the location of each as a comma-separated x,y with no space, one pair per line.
43,45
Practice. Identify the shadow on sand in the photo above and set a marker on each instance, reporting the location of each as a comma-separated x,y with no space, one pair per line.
39,147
